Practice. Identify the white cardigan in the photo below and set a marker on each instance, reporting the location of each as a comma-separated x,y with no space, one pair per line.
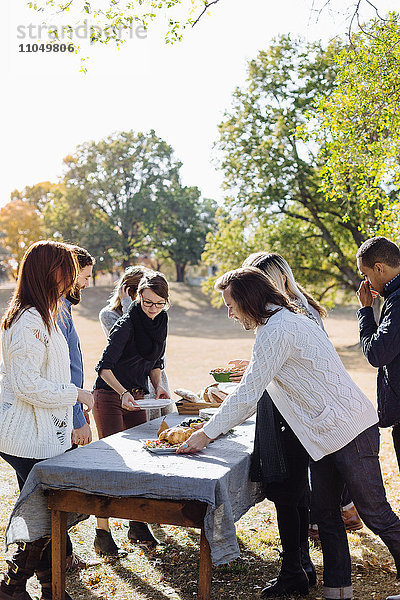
36,396
296,362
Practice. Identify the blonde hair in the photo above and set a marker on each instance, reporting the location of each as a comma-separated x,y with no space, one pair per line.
131,279
278,269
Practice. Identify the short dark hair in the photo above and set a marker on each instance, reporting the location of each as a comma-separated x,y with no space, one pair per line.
252,290
84,260
379,249
156,282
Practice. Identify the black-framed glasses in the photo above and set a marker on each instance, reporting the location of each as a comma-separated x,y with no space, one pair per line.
149,303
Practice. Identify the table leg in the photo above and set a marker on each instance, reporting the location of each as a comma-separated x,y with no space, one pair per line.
204,568
58,546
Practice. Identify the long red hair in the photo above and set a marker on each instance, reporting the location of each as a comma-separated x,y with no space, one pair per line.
47,271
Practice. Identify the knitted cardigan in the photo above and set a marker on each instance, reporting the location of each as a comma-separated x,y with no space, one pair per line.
296,363
36,396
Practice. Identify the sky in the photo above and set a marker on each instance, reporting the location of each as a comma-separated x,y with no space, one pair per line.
181,90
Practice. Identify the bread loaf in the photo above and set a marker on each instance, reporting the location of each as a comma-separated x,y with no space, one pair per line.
187,395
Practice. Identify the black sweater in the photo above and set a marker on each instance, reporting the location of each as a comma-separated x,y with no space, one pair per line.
124,354
381,346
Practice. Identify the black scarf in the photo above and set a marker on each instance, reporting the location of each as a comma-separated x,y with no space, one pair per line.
268,461
149,334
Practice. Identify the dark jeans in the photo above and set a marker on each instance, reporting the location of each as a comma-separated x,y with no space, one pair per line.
357,465
22,467
110,417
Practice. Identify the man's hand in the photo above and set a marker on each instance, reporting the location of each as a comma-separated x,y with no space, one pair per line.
197,441
364,295
81,436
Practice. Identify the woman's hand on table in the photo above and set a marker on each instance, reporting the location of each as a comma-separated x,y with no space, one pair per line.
197,441
128,402
86,398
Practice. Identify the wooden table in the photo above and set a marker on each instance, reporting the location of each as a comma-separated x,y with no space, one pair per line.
187,513
116,477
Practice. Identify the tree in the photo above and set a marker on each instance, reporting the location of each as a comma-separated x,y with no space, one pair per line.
122,178
110,20
360,125
272,175
66,218
21,225
182,222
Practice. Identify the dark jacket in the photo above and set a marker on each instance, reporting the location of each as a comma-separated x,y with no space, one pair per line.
124,354
381,346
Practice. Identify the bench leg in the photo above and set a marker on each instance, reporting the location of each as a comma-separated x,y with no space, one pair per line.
204,568
58,545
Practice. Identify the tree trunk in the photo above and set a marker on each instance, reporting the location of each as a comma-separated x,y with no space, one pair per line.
180,272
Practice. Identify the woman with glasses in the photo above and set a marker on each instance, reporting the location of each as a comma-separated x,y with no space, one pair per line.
133,355
124,293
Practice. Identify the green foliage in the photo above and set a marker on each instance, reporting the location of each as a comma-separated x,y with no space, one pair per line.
112,21
234,239
69,220
122,177
181,223
121,198
21,224
360,125
272,175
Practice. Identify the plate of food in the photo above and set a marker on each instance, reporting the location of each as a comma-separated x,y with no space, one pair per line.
159,446
170,438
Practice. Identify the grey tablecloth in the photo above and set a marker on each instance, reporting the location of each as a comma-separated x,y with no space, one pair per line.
120,466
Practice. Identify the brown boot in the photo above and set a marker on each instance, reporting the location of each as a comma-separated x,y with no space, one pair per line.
20,568
104,545
352,519
141,533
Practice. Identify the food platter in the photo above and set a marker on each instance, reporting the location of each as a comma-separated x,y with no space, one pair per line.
160,448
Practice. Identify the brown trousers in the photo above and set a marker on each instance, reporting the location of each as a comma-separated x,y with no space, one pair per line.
110,417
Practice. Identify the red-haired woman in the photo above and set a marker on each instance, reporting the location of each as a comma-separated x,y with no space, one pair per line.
36,396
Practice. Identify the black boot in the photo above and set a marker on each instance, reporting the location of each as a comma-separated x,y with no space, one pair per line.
43,574
291,580
105,545
141,533
45,580
307,564
20,568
